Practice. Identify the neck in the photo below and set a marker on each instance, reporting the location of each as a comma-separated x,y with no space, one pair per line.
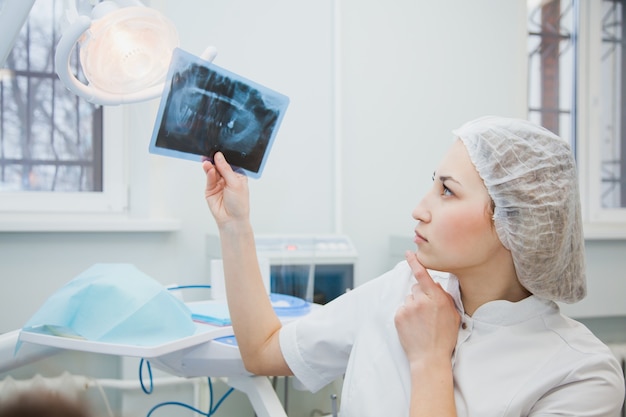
474,296
496,282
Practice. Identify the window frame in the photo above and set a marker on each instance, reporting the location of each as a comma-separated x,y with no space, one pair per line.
585,108
599,222
108,211
113,199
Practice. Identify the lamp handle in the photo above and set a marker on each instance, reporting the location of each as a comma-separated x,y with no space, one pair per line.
62,62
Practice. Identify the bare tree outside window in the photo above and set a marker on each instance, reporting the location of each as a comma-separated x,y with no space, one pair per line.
50,140
553,40
613,148
551,64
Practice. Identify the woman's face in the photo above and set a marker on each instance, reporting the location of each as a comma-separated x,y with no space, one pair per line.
455,232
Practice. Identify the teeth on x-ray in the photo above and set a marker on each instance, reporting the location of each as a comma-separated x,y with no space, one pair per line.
206,109
227,122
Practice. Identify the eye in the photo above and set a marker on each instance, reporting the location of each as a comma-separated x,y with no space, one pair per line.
445,191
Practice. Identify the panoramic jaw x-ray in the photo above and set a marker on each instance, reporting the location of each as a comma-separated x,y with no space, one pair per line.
205,109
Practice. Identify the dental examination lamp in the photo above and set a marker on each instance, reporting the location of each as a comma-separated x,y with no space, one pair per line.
125,49
125,52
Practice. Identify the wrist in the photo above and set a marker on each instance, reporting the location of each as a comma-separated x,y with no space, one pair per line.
431,365
238,227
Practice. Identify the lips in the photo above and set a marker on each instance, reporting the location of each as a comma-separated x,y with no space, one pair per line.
419,238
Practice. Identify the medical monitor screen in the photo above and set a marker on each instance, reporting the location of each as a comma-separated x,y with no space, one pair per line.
205,109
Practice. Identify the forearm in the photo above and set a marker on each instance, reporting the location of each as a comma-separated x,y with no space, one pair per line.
432,389
254,321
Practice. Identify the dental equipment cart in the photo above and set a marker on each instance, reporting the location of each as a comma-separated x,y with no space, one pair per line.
203,354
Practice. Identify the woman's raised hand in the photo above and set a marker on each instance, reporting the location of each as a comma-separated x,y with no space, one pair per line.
428,321
226,191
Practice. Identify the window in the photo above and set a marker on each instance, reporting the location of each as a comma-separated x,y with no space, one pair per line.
576,89
53,154
550,59
611,109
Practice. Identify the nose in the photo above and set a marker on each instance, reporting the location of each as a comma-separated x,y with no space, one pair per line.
421,212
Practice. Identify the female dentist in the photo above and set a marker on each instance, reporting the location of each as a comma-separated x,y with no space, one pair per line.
485,337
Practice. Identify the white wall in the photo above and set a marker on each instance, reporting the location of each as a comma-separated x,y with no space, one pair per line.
412,72
606,286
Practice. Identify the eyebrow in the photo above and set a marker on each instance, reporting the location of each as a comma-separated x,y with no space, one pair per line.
444,178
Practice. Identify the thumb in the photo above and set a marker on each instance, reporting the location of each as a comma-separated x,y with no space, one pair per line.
223,167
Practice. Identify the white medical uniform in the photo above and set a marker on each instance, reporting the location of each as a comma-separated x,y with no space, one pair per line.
511,359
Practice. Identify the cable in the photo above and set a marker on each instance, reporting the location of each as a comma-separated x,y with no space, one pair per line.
184,287
176,403
104,398
211,411
210,394
143,388
221,400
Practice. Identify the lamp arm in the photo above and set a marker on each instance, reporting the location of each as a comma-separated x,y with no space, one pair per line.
62,57
13,14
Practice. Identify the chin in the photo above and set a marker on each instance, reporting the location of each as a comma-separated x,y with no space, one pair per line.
424,260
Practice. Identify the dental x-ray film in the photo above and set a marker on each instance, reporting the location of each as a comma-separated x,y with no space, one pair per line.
205,109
